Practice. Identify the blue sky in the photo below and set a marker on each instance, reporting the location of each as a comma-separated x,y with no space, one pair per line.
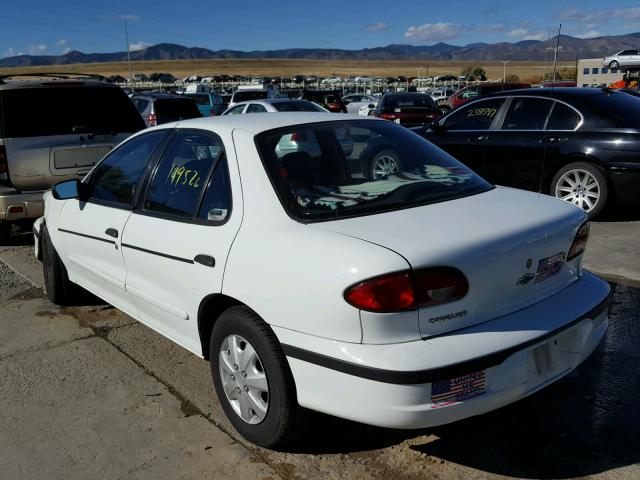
51,27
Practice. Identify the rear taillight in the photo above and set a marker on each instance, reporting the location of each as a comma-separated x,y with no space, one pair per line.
4,166
152,120
388,116
580,242
408,290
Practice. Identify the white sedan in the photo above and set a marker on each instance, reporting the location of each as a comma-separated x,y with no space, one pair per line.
389,285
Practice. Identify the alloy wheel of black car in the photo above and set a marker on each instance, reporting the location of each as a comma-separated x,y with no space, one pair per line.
384,163
583,185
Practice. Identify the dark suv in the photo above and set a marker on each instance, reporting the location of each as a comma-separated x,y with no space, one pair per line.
52,129
329,99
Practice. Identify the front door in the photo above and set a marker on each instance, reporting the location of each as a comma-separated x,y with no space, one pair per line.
91,231
175,244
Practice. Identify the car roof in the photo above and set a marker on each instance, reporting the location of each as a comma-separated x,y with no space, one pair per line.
558,92
156,95
42,83
255,124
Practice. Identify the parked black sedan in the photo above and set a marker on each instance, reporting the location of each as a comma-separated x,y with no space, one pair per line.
579,144
408,109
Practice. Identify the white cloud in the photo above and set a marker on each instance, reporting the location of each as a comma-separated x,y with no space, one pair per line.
432,32
61,43
129,17
599,16
526,34
11,52
66,50
590,34
376,27
134,47
37,49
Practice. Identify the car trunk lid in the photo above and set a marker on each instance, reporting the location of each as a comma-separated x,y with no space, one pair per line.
511,245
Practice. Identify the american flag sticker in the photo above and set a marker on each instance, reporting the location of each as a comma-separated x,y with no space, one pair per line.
459,388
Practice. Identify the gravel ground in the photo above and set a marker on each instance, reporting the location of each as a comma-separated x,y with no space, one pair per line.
11,282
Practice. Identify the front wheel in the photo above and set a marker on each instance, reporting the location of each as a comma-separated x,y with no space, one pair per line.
253,381
614,64
57,285
384,163
583,185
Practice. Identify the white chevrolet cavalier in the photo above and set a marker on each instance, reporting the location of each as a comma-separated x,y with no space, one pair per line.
384,283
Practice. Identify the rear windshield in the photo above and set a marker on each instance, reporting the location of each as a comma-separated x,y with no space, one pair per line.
57,110
249,95
623,106
176,108
409,101
349,168
297,106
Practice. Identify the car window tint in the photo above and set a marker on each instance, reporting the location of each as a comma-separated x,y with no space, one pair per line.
563,118
37,112
217,199
182,173
255,108
115,178
477,116
237,110
527,114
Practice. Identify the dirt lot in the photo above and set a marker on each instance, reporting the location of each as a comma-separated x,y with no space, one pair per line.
182,68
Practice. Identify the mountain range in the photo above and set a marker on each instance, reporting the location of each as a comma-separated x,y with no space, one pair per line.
571,48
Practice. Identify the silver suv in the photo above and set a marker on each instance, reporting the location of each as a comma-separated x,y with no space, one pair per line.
53,129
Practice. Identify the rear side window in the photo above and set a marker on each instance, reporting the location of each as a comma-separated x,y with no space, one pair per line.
255,108
182,174
563,118
243,96
527,114
58,110
477,116
115,178
176,108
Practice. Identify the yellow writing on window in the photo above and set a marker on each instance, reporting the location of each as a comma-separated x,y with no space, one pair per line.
482,112
179,175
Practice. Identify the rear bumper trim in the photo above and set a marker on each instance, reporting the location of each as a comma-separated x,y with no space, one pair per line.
435,374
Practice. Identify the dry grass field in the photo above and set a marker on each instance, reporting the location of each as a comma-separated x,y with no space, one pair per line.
527,71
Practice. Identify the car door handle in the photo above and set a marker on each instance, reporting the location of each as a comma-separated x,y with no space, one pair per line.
112,232
478,138
553,139
205,260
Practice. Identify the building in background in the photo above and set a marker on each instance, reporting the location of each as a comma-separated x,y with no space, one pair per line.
591,73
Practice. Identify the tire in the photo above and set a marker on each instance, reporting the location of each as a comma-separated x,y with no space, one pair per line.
58,287
5,232
590,190
384,163
614,64
269,418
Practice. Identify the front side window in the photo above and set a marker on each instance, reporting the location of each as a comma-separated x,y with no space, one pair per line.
477,116
182,174
527,114
348,168
237,110
115,178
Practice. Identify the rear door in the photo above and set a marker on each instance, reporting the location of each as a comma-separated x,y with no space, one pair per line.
514,153
175,244
466,131
91,231
56,132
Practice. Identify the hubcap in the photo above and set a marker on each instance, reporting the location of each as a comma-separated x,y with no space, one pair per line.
243,379
384,166
580,188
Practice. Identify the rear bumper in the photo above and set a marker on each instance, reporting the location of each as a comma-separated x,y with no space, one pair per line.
16,205
508,358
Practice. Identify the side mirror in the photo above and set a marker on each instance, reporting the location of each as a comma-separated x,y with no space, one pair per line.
438,127
70,189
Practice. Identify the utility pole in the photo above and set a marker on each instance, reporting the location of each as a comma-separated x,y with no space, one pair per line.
126,35
555,53
504,70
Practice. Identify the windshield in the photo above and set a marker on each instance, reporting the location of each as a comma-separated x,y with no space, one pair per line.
356,167
625,107
418,100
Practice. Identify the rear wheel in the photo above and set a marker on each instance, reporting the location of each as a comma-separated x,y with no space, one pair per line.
5,232
253,380
582,184
58,287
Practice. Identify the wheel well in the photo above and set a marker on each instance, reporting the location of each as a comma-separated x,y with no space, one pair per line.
211,307
546,183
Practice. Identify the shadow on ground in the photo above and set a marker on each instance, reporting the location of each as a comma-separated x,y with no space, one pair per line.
620,213
587,423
